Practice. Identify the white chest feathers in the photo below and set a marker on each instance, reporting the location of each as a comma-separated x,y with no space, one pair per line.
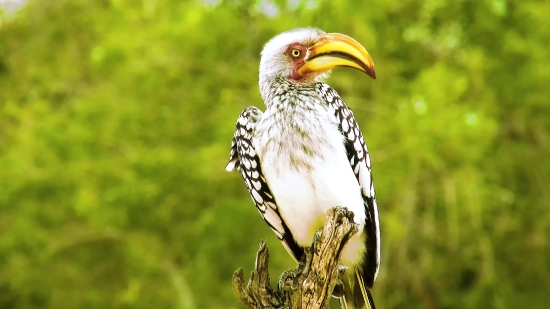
305,164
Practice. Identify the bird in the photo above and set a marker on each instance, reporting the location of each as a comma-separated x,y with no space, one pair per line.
305,153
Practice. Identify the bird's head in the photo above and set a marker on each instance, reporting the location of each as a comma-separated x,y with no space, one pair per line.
308,55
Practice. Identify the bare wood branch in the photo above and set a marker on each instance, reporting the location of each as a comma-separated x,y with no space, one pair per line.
311,283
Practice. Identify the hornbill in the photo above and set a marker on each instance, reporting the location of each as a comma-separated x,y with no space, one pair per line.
306,154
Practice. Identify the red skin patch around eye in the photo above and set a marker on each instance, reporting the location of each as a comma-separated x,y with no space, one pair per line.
296,62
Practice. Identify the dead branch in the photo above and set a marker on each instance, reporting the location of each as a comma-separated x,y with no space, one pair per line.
310,284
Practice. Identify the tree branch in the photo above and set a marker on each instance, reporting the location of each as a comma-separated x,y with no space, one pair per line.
311,283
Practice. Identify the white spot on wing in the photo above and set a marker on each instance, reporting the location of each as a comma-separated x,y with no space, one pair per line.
261,207
271,205
365,179
273,219
345,125
230,166
257,197
257,185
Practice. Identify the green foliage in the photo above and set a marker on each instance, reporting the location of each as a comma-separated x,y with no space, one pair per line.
115,125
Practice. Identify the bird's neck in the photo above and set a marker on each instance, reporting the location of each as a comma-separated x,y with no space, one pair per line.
274,88
297,126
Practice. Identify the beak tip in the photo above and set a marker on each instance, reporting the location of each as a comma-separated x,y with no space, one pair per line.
371,73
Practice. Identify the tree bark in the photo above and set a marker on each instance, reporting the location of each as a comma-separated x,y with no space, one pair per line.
311,283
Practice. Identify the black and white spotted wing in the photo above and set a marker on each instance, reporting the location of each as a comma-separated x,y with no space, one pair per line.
359,159
244,158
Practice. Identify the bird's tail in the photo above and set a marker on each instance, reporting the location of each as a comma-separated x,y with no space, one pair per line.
355,294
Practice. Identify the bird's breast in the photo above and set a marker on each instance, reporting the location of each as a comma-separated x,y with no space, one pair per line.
305,164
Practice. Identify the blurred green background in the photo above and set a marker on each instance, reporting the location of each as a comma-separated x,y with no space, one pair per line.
116,119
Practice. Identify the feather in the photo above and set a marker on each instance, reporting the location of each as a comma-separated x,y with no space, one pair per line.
244,158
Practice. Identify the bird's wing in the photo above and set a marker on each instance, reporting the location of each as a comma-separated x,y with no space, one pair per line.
244,158
359,159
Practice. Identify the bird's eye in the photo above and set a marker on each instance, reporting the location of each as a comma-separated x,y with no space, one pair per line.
295,53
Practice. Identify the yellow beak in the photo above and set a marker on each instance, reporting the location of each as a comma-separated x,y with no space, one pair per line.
337,50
